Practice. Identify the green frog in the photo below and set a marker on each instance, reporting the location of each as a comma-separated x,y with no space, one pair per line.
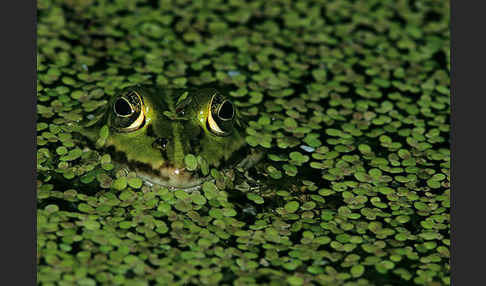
152,129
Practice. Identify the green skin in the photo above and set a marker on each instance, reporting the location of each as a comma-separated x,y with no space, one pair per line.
175,123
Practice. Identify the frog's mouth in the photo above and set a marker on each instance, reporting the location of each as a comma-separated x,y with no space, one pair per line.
179,178
166,175
171,177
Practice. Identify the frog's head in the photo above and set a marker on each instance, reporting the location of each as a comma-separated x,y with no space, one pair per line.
151,130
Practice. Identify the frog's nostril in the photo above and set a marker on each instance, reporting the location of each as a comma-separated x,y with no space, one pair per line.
160,143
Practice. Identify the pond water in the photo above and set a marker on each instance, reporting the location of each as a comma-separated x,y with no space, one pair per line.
349,101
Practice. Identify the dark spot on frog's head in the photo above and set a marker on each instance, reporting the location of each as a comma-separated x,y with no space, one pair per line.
160,143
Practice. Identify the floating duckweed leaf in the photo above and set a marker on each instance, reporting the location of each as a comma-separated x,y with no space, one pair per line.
298,158
125,224
295,280
290,123
433,184
264,141
105,159
292,206
198,198
384,266
385,190
216,213
104,180
274,172
103,135
308,206
51,208
135,182
210,190
255,198
61,150
290,170
85,208
191,162
182,98
312,140
72,155
120,183
357,270
127,195
204,165
365,149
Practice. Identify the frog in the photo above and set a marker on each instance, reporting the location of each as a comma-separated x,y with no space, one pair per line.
152,129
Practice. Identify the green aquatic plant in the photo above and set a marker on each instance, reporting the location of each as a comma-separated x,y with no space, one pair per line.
348,101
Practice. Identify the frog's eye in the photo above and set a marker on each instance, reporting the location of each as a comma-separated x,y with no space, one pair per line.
226,111
128,112
221,116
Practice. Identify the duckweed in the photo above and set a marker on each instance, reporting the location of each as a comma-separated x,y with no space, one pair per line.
349,101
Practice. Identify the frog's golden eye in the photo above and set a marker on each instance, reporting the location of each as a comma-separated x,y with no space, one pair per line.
221,116
128,112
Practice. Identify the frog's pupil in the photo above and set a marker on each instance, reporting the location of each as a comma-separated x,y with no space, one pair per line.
122,107
226,111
